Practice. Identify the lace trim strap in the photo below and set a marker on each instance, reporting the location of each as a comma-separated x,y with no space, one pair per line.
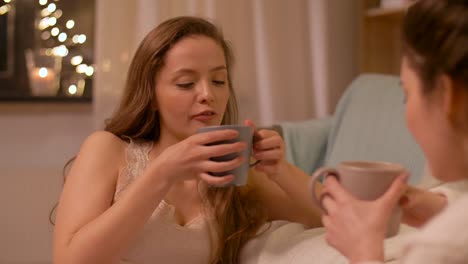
136,155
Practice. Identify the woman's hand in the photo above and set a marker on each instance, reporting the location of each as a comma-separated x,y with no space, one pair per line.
419,206
355,227
269,149
190,158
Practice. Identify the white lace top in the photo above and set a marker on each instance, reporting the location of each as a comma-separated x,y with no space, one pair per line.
163,240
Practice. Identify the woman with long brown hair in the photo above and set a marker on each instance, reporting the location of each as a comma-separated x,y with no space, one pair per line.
138,192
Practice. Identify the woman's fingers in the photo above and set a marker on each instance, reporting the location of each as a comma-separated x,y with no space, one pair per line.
221,166
267,140
336,190
222,149
216,180
273,154
211,137
396,190
327,203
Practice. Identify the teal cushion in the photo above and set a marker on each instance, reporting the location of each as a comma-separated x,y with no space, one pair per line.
369,124
306,142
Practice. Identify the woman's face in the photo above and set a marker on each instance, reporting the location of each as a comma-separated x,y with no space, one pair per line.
428,122
192,88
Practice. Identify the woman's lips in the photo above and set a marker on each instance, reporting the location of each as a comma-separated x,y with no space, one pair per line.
205,117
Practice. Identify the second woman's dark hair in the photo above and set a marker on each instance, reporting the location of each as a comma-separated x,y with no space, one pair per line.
435,40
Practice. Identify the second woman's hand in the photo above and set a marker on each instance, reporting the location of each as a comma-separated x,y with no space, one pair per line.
419,206
357,228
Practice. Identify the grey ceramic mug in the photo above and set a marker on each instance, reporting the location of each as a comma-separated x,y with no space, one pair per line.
246,134
366,180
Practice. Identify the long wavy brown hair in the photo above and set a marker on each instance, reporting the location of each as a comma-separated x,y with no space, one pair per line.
236,210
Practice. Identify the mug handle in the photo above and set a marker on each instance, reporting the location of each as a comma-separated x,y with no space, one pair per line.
254,163
325,172
254,140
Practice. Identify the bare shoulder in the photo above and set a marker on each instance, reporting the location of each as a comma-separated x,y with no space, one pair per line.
104,139
103,150
103,142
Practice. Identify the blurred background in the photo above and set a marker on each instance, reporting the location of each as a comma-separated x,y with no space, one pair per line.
63,64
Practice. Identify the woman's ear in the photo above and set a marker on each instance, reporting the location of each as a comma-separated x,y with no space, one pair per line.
455,100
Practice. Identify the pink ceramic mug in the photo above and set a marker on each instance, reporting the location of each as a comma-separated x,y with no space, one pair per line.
366,180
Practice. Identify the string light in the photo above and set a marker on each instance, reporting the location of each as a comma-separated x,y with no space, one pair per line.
61,51
43,72
7,1
81,68
62,37
76,60
58,13
45,12
82,38
52,21
50,14
51,7
72,89
45,35
4,9
44,23
89,71
55,31
70,24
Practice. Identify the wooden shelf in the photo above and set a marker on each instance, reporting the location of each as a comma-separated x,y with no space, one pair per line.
379,11
380,37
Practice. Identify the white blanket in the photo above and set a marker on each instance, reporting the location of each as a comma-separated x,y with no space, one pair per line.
286,242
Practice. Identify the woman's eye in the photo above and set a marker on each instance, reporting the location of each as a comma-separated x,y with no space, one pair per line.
185,85
219,83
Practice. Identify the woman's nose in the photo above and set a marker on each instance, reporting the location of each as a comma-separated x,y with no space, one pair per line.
206,92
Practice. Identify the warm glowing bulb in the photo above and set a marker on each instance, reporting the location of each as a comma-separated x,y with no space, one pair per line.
76,60
55,31
58,13
89,71
72,89
81,68
42,2
43,23
7,1
45,35
52,21
43,72
82,38
62,37
45,12
70,24
61,51
51,7
4,9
